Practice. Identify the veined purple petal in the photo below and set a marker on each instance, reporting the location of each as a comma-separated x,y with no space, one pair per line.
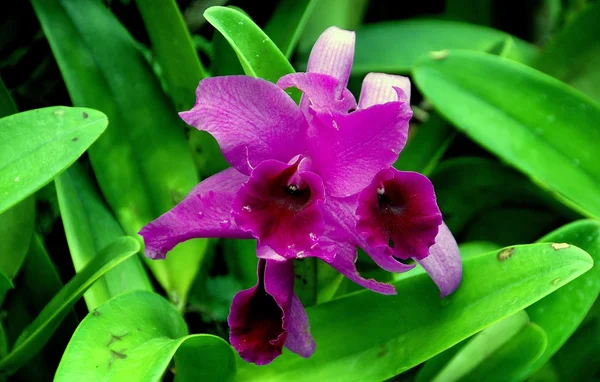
280,206
398,214
444,264
252,119
205,212
333,54
344,261
267,316
349,150
322,93
380,88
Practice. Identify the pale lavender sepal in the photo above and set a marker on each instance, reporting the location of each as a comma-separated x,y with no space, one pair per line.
444,264
204,213
333,54
380,88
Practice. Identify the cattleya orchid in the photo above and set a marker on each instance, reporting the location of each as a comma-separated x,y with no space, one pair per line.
314,180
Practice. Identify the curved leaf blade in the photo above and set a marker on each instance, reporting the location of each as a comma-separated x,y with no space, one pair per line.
16,231
555,146
287,23
35,336
37,145
378,346
112,344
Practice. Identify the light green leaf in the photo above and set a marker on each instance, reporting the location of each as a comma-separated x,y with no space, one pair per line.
573,55
257,53
396,46
134,336
37,145
562,312
475,248
426,146
16,230
287,23
143,163
89,227
552,144
382,336
35,336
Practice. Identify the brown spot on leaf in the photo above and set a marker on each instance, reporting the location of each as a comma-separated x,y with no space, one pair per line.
95,313
559,246
383,350
114,338
555,281
75,139
85,115
506,254
114,355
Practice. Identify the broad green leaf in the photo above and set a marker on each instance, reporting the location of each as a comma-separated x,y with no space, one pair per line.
577,360
475,351
396,46
475,12
5,286
134,336
426,146
3,342
143,164
366,336
171,41
513,357
240,256
546,129
35,336
16,230
257,53
562,312
466,186
475,248
37,145
89,227
287,23
573,55
7,104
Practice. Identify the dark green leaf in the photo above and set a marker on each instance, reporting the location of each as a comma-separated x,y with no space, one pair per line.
89,227
5,286
16,229
143,163
554,145
37,334
395,47
37,145
288,22
475,12
133,337
382,336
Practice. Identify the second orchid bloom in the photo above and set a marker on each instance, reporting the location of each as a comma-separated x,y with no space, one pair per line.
314,180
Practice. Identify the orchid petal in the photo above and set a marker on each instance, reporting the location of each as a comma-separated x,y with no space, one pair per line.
398,214
204,213
380,88
252,119
333,54
344,261
444,263
351,149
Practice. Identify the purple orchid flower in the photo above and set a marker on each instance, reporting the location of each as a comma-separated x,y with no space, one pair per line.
313,180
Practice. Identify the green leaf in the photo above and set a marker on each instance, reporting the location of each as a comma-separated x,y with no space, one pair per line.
143,163
382,336
553,145
577,359
7,104
466,186
35,336
89,227
573,55
37,145
16,230
475,12
258,55
3,342
562,312
426,147
171,41
5,286
134,336
287,23
475,248
396,46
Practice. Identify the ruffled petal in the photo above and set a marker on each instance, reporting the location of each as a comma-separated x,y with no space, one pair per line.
205,212
252,119
333,54
340,217
322,93
344,262
268,316
444,264
378,88
349,150
398,214
280,206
